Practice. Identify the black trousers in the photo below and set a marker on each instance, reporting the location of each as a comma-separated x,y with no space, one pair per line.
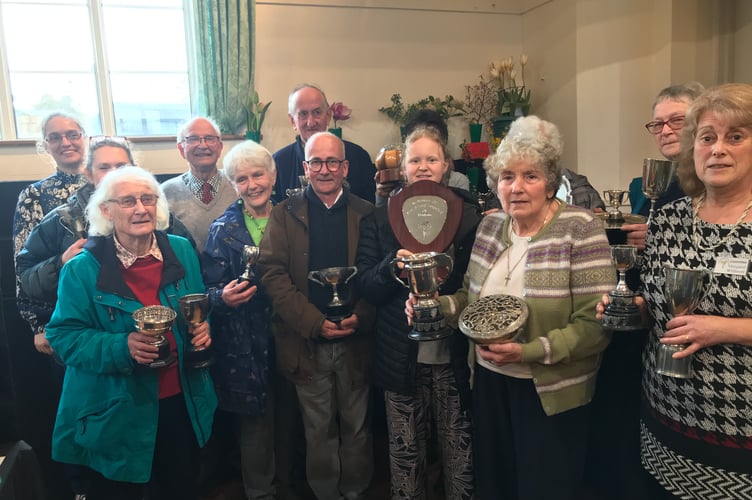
520,452
175,470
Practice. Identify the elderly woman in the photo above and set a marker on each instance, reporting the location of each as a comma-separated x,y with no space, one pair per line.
421,380
129,425
531,398
242,340
696,432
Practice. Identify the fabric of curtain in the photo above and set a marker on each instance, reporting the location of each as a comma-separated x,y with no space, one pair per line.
224,59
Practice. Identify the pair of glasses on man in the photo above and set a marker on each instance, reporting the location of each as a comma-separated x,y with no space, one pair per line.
332,164
195,140
147,200
674,123
56,138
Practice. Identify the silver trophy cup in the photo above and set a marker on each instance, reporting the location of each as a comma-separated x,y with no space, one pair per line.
303,180
338,308
656,177
683,290
622,314
155,321
73,220
423,281
195,309
250,256
614,199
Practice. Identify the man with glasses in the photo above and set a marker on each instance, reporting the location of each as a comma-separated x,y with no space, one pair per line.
326,360
309,113
203,193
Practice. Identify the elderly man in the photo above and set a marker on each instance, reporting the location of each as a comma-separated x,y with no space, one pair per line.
327,361
309,113
202,194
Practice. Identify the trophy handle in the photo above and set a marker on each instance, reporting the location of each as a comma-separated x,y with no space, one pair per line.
445,261
313,276
395,271
351,276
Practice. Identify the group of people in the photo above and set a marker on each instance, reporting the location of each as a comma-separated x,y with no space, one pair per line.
512,419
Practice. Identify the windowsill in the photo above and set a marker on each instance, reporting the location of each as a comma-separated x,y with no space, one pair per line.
133,140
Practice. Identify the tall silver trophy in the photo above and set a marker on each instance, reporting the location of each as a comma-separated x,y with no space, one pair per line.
155,321
683,289
622,313
425,273
249,256
340,307
656,178
195,309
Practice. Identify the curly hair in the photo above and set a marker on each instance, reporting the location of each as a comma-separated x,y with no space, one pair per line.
533,140
731,102
98,223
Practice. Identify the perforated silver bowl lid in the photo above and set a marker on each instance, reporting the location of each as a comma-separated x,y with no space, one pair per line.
494,318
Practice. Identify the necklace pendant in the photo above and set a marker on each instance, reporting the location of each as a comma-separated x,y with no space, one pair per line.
506,280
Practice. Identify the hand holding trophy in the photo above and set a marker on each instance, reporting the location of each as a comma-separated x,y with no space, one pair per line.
683,290
195,309
155,321
337,277
622,314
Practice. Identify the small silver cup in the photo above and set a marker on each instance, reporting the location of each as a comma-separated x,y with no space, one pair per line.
622,314
303,180
615,198
656,178
423,281
195,309
155,321
337,277
250,256
683,289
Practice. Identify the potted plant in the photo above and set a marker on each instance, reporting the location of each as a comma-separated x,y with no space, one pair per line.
340,113
513,97
401,113
480,106
255,112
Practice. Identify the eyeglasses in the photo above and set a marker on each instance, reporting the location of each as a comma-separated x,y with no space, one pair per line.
656,127
332,164
147,200
96,140
71,135
195,140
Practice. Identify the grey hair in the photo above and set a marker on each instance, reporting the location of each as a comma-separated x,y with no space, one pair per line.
683,92
125,146
247,153
533,140
98,223
184,126
298,88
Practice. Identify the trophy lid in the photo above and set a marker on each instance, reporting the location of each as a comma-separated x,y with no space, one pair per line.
494,318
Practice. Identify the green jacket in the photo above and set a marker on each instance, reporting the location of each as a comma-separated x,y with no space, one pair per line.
107,417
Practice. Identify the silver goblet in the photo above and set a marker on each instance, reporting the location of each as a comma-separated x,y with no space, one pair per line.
337,277
250,256
195,309
683,290
656,177
615,198
155,321
424,281
622,314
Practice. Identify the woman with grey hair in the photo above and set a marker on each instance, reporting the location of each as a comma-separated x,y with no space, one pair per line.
531,397
135,429
242,341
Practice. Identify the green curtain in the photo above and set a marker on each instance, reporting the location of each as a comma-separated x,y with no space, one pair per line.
224,44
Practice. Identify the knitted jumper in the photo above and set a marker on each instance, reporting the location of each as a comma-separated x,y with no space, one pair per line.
568,269
196,215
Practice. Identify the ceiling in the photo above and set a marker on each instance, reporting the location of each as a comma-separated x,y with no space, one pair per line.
509,7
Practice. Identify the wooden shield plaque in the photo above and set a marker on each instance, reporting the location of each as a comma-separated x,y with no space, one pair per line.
425,216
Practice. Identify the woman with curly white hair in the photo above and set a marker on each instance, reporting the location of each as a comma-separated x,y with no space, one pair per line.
531,397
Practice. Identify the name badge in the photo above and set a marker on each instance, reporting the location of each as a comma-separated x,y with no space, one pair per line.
737,266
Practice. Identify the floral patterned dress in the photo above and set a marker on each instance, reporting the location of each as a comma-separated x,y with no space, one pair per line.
696,433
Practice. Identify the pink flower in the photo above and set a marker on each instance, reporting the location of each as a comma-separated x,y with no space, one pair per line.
340,112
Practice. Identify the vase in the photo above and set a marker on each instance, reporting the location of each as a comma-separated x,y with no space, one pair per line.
500,125
476,129
336,131
253,135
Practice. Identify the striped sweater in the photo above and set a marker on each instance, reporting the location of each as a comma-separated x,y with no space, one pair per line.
568,269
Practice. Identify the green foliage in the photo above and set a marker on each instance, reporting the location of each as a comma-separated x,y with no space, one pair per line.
255,112
401,113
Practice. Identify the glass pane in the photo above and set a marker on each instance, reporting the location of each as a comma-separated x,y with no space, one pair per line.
35,95
45,2
59,41
158,44
178,4
150,104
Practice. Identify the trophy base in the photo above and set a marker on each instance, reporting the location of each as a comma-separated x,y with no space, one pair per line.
667,366
436,334
429,324
199,358
337,313
160,362
622,318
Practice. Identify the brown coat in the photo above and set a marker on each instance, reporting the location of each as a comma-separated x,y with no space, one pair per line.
283,266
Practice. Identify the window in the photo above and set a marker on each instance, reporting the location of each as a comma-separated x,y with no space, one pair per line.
121,66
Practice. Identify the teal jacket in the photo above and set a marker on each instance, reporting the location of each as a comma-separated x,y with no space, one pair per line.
107,417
